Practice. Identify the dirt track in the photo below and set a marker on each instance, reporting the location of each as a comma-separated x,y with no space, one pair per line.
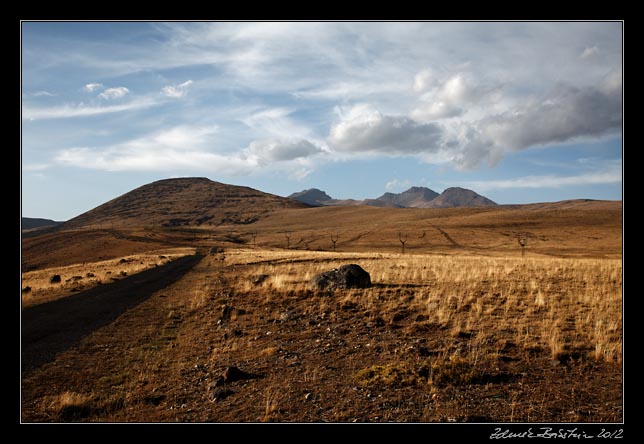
53,327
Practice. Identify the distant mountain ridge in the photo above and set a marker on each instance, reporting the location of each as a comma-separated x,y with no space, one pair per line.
414,197
311,196
28,223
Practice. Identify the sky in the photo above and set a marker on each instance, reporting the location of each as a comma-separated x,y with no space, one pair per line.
520,112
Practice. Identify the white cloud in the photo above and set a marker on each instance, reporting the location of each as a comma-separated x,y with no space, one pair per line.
612,82
43,94
91,87
125,158
423,80
82,110
35,167
457,94
177,91
175,148
190,147
114,93
589,52
563,115
593,178
397,184
277,123
491,86
364,129
281,150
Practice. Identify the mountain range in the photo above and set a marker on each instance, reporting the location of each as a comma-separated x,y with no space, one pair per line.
29,223
415,197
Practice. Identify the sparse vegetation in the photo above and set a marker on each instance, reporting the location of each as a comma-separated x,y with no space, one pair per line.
461,327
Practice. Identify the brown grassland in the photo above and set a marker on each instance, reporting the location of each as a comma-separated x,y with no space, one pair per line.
460,328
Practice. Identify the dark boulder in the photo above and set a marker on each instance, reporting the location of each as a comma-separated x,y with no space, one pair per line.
55,279
347,276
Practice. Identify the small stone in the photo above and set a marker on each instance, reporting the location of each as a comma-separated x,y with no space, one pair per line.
259,279
218,382
232,374
220,394
55,279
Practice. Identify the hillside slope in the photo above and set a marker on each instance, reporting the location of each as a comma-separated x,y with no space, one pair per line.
184,202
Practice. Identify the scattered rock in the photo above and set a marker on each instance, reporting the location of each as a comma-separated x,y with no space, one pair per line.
259,279
123,261
55,279
569,356
220,394
377,322
216,250
399,316
226,311
465,334
426,351
347,276
232,374
218,382
123,273
349,306
90,275
287,316
27,289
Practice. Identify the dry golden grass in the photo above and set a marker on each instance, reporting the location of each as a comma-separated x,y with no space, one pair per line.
437,338
83,276
564,305
68,405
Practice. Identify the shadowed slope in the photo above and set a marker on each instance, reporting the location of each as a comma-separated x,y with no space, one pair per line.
53,327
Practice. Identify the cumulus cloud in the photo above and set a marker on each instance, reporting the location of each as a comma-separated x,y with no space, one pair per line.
397,184
589,52
566,113
364,129
281,150
91,87
423,80
452,98
177,91
114,93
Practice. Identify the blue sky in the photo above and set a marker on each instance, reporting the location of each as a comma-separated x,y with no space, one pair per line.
520,112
